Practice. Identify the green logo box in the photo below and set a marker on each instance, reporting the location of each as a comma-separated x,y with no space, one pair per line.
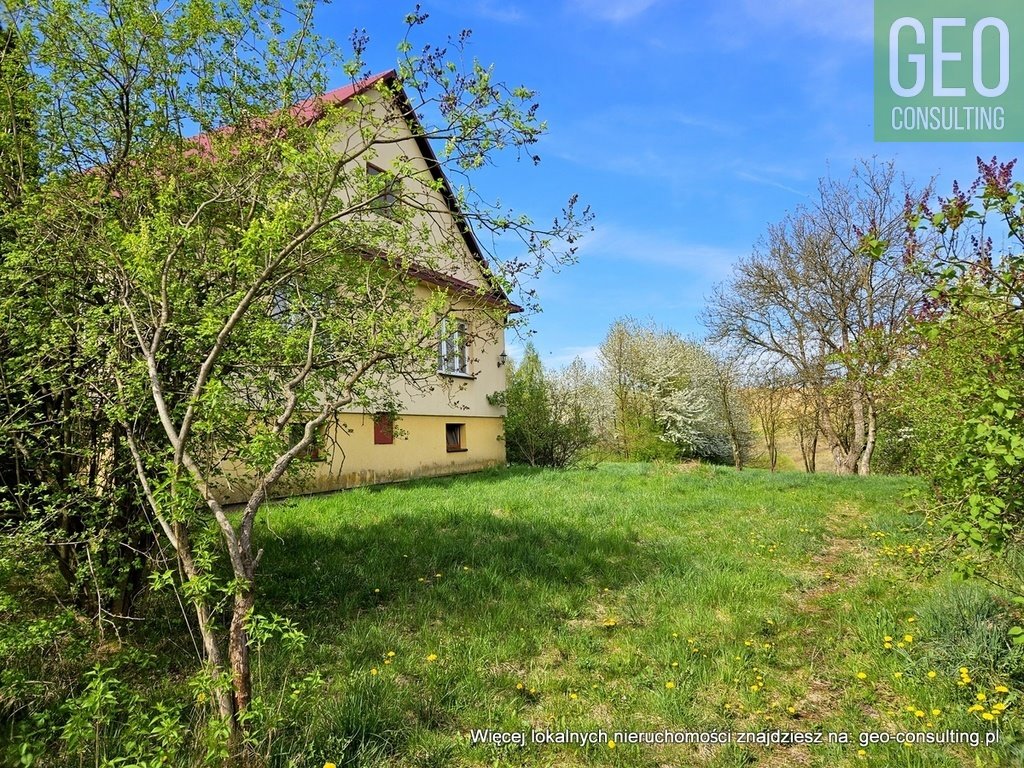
949,70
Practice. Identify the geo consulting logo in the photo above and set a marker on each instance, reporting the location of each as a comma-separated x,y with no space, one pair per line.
949,70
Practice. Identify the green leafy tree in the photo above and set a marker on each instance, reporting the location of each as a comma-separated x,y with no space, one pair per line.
547,425
960,394
217,301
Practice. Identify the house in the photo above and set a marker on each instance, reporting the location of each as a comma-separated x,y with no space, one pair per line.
444,425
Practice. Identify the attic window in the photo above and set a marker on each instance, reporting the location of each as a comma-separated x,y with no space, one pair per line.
387,201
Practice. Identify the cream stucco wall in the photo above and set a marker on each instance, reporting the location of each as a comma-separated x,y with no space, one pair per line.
349,457
443,249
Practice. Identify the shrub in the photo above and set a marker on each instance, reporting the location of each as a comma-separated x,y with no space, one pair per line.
546,424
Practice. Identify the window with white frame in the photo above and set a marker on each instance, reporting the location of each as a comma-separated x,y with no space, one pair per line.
451,348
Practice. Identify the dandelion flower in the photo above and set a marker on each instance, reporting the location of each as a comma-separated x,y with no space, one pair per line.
670,685
611,744
936,712
573,696
932,674
1001,689
988,716
330,765
791,710
908,638
373,671
519,686
432,657
918,713
981,697
391,654
862,675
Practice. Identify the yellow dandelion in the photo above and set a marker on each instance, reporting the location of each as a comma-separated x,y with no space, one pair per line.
918,713
861,753
519,686
963,670
1001,689
611,744
976,708
936,712
999,707
888,646
670,685
533,690
932,674
908,638
373,671
376,591
330,765
675,664
981,697
897,675
391,654
432,657
573,696
791,710
911,619
988,716
862,675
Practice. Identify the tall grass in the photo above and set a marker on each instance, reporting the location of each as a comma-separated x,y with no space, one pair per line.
631,598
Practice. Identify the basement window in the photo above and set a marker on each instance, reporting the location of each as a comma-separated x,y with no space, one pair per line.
454,437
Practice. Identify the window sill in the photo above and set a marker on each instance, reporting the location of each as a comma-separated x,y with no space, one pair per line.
458,450
456,375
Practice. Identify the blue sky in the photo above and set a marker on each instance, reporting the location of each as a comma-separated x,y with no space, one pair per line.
688,127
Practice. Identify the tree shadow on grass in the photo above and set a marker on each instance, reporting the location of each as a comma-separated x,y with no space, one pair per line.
450,548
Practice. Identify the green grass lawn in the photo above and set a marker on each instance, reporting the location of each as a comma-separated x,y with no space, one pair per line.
633,599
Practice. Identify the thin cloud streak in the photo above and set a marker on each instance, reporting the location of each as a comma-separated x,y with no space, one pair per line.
612,10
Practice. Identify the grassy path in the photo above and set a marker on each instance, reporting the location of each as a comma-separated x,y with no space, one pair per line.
684,605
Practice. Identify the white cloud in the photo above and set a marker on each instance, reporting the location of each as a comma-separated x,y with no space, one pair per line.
627,243
836,19
501,12
564,356
612,10
756,179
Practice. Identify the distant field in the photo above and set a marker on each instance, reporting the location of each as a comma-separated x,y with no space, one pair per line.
634,599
